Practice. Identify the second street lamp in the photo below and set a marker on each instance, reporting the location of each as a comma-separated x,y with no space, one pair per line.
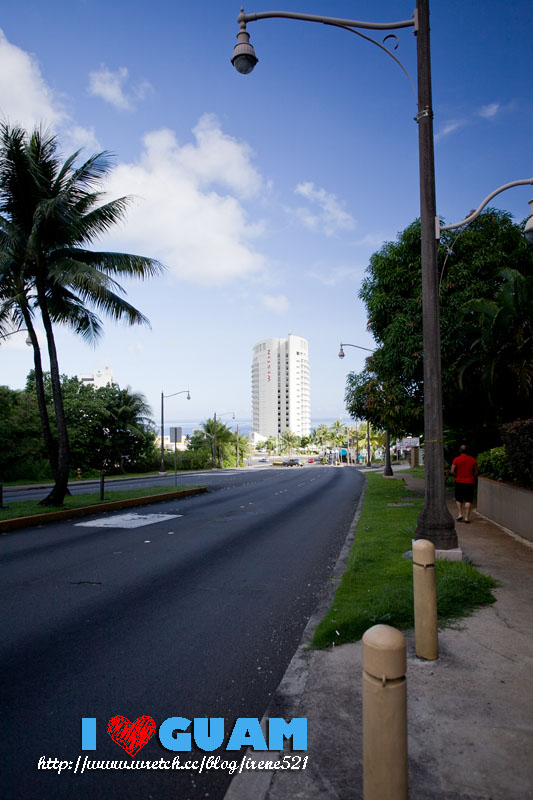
388,466
163,468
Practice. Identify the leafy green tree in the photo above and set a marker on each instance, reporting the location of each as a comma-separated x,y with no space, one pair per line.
49,213
22,454
501,357
389,389
271,444
109,428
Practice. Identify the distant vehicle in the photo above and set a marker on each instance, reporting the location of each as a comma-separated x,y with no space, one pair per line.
310,460
292,462
263,460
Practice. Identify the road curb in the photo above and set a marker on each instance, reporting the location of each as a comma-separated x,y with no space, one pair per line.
112,505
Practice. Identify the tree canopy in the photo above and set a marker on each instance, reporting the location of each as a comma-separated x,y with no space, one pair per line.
109,428
485,267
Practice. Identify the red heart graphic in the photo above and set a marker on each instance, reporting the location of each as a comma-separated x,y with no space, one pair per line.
131,736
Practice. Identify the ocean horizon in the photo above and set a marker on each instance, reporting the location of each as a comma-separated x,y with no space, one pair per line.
245,424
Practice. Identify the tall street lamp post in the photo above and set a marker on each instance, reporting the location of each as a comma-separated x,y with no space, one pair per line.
435,521
163,469
388,466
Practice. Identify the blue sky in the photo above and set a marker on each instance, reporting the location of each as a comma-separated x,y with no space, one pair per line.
264,195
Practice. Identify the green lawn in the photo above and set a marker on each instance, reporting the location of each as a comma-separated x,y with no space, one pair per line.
26,508
377,585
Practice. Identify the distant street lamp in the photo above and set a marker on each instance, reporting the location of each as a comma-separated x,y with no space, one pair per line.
347,344
12,333
163,468
388,466
224,413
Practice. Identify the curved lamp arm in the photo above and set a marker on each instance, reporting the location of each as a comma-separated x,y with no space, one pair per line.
185,391
245,49
351,23
471,217
347,344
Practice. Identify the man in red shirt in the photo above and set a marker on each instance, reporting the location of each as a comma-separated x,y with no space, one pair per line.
464,469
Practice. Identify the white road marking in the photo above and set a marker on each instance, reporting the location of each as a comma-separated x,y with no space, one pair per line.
131,520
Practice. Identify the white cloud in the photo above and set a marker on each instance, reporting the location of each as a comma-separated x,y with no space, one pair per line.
277,304
77,137
25,98
450,127
489,110
186,211
333,277
330,216
110,86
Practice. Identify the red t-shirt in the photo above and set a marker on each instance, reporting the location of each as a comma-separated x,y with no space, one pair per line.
465,468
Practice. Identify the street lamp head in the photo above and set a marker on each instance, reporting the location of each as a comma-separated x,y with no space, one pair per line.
341,352
528,227
188,395
244,58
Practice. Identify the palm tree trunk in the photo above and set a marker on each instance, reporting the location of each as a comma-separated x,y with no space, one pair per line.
57,495
48,439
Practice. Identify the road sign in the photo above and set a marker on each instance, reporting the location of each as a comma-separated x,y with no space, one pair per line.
175,435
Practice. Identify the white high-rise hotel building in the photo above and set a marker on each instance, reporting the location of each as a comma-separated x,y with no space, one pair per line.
280,386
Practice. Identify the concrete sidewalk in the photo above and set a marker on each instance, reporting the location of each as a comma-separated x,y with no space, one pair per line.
470,712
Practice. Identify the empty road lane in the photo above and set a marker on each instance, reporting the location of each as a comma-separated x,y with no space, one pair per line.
188,608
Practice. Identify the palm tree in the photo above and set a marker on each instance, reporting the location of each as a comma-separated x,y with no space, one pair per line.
338,436
322,435
288,440
270,444
224,438
49,213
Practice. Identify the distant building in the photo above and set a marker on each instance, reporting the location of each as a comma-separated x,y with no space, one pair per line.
100,378
281,397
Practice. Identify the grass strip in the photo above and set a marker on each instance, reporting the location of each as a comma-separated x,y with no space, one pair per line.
377,586
27,508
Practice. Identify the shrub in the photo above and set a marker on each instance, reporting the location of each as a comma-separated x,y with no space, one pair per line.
494,464
517,438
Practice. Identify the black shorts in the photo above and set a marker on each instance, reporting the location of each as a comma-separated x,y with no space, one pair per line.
464,492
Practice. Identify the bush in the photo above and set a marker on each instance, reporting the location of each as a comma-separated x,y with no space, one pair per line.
517,438
32,469
494,464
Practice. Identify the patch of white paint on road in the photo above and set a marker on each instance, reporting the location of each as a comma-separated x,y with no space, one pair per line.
131,520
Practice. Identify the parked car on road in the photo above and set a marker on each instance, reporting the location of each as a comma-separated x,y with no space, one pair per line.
292,462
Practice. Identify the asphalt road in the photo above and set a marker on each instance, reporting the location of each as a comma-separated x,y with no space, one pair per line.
214,479
194,615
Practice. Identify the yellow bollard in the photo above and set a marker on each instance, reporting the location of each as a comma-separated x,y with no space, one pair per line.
384,714
425,599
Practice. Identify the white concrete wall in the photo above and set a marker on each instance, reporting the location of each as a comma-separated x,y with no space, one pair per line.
506,504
